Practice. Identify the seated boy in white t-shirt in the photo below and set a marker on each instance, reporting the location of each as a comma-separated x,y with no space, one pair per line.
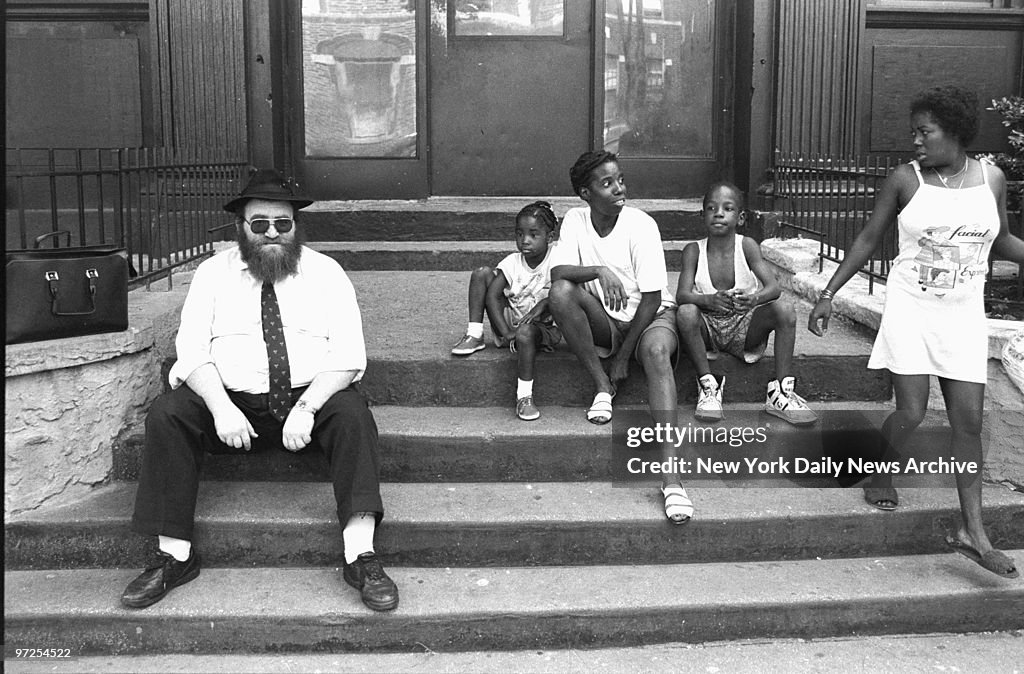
515,296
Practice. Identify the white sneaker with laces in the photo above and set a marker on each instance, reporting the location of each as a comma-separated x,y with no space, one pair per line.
709,398
783,402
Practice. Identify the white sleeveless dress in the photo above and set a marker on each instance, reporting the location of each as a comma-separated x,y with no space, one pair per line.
934,317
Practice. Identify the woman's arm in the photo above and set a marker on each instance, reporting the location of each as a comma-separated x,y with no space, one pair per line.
896,191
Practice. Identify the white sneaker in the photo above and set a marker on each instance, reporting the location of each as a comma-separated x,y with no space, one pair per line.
785,404
709,398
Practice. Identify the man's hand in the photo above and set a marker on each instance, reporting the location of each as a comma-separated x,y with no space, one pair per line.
233,429
614,293
297,430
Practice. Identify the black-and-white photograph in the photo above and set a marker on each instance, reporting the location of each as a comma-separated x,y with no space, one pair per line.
514,336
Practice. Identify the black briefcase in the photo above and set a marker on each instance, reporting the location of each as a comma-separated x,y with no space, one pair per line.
65,292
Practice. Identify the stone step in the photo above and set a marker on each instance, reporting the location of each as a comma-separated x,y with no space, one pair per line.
980,652
411,320
468,218
278,524
451,609
440,255
485,444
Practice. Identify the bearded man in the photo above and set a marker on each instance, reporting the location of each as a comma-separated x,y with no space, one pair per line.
269,349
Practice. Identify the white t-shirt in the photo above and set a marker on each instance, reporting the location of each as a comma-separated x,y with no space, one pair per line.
526,286
632,250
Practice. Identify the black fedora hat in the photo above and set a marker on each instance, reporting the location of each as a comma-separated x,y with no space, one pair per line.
270,185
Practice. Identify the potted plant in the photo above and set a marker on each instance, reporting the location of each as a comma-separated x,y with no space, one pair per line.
1012,163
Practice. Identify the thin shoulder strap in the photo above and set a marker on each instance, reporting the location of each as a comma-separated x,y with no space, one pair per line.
984,172
917,170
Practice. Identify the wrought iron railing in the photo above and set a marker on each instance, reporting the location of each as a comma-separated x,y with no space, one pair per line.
158,203
830,198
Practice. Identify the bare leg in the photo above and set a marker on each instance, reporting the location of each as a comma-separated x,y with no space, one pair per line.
584,323
479,281
964,409
655,352
911,404
779,317
693,337
527,338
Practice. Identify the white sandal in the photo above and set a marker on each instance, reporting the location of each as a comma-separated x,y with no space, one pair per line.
600,411
678,506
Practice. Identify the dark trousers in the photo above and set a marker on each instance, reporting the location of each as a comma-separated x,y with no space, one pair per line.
180,431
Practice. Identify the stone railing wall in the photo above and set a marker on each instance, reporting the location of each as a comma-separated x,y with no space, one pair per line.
68,401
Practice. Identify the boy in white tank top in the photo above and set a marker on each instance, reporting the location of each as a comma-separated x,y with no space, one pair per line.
727,297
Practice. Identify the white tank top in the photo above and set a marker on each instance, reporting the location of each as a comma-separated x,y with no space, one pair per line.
745,279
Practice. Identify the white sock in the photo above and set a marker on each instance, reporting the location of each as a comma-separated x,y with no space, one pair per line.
523,388
475,330
175,547
358,535
706,380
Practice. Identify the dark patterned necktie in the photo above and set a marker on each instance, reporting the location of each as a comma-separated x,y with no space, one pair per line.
280,394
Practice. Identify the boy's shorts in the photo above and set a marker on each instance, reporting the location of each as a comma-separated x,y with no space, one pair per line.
664,319
550,335
728,333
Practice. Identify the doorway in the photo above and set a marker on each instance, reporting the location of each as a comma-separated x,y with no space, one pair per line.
499,97
511,95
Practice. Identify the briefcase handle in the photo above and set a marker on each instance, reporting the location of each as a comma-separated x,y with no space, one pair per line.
51,279
43,237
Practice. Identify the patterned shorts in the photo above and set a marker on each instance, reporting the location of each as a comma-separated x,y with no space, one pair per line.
728,333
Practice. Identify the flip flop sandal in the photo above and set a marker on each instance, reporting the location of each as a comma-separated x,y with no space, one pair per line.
993,560
678,506
600,411
883,498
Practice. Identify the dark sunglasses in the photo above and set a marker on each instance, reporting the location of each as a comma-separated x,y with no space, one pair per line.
261,225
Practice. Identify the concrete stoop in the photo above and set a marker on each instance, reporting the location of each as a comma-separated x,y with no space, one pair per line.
292,610
503,534
448,524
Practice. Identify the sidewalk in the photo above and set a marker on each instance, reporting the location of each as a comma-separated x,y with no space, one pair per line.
984,652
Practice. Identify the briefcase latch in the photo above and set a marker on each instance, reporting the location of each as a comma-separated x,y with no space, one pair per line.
52,276
91,273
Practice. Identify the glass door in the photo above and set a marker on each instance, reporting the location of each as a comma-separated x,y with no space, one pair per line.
666,79
355,100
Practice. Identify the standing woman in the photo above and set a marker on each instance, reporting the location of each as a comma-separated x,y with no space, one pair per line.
951,211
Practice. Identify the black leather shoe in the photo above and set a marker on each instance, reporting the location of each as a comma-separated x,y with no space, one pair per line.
156,581
367,575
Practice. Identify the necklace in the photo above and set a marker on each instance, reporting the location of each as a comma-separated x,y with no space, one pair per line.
945,180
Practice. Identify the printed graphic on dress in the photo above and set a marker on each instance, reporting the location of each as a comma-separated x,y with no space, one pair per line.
939,271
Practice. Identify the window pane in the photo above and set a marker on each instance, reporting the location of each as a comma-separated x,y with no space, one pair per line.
359,78
509,17
659,93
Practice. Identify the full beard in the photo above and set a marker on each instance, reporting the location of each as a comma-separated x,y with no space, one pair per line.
270,262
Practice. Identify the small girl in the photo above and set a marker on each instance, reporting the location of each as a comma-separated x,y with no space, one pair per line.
515,296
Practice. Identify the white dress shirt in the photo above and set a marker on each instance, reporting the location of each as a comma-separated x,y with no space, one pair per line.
221,323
